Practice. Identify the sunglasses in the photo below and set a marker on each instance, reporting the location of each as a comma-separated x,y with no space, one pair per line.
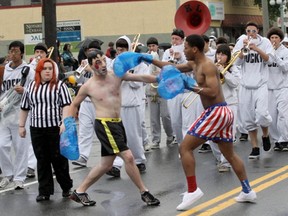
253,31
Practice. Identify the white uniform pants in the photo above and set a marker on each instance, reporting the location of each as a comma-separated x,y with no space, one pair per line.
278,109
86,117
190,114
13,164
132,123
253,106
159,109
174,106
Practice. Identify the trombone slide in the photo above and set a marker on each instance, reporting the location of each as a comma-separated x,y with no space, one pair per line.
187,104
135,42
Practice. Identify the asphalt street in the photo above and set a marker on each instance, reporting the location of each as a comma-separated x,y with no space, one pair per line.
165,179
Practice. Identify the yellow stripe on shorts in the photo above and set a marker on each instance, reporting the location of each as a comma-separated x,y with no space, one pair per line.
110,137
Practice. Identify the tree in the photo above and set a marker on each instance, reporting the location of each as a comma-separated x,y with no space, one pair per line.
274,10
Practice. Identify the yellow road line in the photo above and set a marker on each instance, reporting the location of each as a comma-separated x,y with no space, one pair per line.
231,201
232,192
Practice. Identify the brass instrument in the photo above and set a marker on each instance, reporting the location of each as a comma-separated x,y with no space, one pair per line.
81,69
187,104
50,51
135,42
75,76
232,60
246,49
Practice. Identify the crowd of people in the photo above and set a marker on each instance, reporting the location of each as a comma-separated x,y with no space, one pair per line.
233,84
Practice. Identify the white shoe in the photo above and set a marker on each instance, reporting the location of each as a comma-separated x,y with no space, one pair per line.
155,146
18,185
4,182
147,147
189,199
246,197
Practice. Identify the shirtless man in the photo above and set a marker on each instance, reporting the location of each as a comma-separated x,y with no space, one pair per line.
104,91
215,123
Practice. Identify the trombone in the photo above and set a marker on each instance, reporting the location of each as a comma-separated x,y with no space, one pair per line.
135,41
187,104
50,51
222,79
232,60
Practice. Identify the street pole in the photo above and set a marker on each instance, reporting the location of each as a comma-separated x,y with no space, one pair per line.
281,8
265,16
49,23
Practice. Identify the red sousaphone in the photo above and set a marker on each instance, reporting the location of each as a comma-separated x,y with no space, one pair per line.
193,17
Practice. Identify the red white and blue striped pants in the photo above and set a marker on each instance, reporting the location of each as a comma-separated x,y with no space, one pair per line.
215,123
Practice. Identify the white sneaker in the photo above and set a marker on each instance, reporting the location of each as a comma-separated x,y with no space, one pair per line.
18,185
189,199
223,168
171,140
82,162
4,182
155,146
246,197
147,147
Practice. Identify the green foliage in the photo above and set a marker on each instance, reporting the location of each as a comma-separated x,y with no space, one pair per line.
274,10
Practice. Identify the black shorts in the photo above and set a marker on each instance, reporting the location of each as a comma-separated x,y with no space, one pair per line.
112,135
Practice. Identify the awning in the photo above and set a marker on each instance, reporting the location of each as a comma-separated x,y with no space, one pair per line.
237,20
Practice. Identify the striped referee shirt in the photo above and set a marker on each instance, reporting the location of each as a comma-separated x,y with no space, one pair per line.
45,105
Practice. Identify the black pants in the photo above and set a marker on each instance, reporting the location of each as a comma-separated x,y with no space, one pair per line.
45,143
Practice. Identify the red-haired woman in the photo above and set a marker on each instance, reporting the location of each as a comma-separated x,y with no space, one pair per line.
47,98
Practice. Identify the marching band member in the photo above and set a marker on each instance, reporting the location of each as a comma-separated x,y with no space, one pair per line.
13,170
175,55
230,81
278,91
158,107
253,91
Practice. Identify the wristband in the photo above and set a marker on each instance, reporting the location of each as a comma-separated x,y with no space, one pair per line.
21,126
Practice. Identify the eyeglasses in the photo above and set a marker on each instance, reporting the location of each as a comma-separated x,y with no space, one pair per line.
14,51
253,31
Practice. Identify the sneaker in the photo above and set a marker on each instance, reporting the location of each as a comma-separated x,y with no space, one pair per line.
82,198
67,193
171,140
115,172
141,167
223,168
255,154
18,185
189,199
205,148
243,137
41,198
0,171
266,143
246,197
147,147
149,199
278,147
284,146
155,146
82,162
30,173
4,182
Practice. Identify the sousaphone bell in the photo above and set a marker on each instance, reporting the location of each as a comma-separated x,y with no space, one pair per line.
193,17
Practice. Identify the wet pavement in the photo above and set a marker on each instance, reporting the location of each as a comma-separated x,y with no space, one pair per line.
165,179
